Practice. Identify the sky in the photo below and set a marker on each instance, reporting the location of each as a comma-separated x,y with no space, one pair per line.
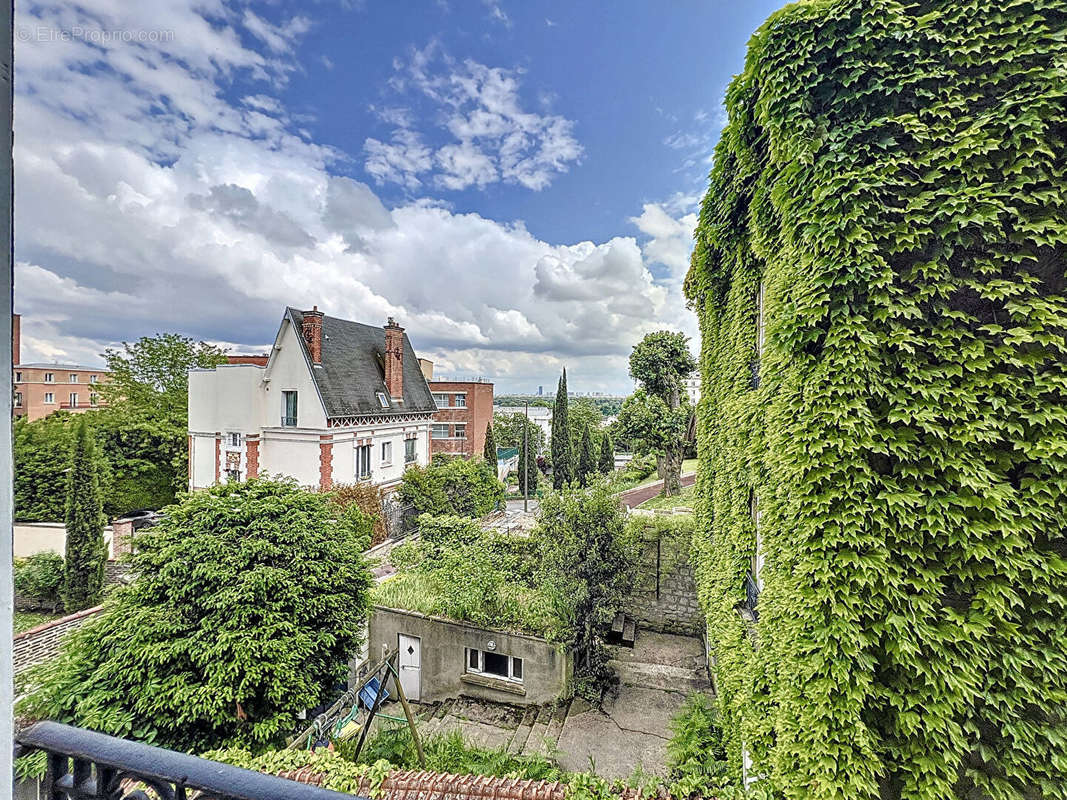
515,182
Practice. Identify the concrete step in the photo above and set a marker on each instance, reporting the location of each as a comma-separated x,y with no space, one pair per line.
555,726
522,733
659,676
536,744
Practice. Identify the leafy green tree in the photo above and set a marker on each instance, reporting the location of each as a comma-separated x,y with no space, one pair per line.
489,451
42,454
660,362
606,464
528,472
589,561
562,455
586,459
582,414
147,394
508,431
451,486
86,552
248,602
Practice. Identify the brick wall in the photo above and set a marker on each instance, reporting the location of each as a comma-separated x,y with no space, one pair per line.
476,415
42,643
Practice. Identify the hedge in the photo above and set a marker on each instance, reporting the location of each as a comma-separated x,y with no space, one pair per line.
892,174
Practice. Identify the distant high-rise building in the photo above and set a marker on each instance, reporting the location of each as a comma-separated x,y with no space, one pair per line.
540,391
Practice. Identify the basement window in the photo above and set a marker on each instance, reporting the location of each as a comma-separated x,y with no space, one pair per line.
496,665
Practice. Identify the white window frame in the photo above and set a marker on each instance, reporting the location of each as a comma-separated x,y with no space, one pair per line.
92,379
387,453
383,401
285,407
73,399
435,429
480,668
413,448
460,431
18,400
759,558
49,377
235,439
460,399
50,398
94,399
761,324
440,399
361,462
233,475
18,377
73,377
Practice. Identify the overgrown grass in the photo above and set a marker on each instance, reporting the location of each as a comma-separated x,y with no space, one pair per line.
516,608
24,620
686,498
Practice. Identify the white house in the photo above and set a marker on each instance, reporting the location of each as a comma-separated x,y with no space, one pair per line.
336,402
539,416
692,388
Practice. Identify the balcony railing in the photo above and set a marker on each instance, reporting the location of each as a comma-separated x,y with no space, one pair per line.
288,422
84,765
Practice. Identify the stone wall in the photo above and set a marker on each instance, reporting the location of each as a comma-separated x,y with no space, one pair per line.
665,593
42,643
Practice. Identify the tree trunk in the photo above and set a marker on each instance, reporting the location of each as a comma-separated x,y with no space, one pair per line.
671,462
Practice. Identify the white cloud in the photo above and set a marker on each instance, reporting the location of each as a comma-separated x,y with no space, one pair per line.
494,137
671,239
233,216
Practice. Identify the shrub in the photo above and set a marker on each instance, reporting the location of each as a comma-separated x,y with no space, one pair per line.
40,577
452,486
85,560
696,757
248,602
365,498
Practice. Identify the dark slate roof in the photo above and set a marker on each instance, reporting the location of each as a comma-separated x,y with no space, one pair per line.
353,371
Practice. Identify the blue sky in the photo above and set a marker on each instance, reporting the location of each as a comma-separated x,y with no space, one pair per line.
515,182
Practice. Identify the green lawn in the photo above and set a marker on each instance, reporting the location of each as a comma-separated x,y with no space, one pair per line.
686,498
689,465
24,620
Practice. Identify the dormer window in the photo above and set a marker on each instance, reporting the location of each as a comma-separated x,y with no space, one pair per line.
383,401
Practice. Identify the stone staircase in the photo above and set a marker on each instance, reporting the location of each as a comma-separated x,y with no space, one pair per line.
523,731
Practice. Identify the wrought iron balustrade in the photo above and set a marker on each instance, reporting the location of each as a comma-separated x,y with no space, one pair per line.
85,765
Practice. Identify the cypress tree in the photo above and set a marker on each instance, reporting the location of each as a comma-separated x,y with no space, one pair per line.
489,451
586,460
86,552
527,468
607,455
562,458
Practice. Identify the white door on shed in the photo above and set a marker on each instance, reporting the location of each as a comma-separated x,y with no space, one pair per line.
410,665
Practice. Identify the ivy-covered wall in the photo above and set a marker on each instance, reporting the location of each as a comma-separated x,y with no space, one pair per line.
893,173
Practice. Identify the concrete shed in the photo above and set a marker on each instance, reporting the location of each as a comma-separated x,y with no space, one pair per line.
441,658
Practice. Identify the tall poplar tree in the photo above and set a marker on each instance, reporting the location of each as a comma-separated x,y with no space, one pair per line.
607,455
489,451
527,468
86,551
586,459
562,457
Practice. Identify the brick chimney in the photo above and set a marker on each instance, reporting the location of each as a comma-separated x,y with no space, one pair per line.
312,330
16,339
394,360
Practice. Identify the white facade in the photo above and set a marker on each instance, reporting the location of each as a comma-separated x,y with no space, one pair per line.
692,388
238,427
539,416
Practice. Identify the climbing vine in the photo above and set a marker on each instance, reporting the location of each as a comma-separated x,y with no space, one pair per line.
889,190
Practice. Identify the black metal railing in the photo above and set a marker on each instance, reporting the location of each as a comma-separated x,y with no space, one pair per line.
85,765
288,422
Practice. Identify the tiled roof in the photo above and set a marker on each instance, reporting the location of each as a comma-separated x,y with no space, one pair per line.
353,371
424,785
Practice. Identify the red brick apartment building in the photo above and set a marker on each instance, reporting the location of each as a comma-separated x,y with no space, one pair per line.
464,409
41,389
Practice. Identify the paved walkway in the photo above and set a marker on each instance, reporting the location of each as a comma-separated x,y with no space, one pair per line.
632,729
632,498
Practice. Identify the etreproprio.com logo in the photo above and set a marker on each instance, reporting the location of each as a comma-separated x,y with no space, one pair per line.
76,33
